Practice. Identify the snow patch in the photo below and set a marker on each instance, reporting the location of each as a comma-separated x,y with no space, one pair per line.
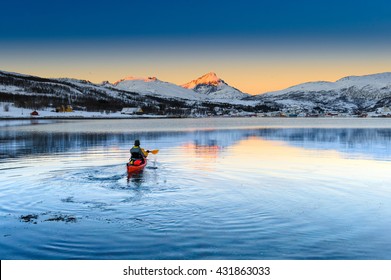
157,87
132,78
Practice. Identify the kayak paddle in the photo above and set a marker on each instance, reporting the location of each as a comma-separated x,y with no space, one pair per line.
153,151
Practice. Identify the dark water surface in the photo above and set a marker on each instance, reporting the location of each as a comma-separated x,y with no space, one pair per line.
217,189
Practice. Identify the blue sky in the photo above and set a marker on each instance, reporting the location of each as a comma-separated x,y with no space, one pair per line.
180,40
61,19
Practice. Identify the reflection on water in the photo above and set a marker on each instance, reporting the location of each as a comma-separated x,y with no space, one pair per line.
135,178
375,143
249,193
202,151
365,142
17,123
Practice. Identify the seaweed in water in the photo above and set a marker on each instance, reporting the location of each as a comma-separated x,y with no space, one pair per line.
62,218
31,218
68,199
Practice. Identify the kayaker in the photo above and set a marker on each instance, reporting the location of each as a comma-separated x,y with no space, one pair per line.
137,152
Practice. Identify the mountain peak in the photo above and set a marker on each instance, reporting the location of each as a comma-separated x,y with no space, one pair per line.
208,79
133,78
213,87
211,76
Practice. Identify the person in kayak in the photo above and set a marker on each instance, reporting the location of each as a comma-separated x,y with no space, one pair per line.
137,153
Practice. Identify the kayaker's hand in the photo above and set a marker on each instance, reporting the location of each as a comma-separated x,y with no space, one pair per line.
148,151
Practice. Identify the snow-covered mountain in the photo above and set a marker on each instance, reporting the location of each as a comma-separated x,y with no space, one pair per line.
352,93
208,95
211,86
207,87
153,86
18,91
368,83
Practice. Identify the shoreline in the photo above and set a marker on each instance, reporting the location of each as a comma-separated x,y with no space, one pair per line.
83,118
173,117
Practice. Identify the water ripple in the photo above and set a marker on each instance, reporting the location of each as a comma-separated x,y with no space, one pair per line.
254,193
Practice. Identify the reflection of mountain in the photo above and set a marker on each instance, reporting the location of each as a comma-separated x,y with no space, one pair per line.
366,142
375,143
15,144
202,151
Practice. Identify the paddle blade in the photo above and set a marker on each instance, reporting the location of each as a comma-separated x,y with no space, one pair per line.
154,152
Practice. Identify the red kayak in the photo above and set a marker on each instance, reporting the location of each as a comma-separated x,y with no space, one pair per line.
136,166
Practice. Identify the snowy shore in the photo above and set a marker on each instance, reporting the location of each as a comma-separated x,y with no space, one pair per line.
8,111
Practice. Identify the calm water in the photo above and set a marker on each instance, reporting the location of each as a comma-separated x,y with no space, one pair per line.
218,189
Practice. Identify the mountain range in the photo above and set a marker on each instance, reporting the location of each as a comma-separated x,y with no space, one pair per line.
153,96
206,95
353,93
207,87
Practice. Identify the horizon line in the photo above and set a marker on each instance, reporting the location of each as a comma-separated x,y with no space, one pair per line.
180,85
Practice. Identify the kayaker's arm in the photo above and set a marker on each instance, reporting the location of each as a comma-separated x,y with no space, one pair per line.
144,152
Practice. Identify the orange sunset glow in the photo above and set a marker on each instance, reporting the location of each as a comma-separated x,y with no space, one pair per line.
253,69
269,156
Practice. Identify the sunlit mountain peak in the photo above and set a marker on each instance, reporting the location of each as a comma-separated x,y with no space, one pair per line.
212,86
208,79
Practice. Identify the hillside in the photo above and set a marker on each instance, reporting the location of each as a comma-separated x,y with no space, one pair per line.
351,94
36,93
153,86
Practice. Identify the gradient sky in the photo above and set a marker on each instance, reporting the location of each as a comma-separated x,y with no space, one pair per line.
256,46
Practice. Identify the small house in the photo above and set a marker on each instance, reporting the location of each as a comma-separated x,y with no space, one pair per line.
131,111
64,109
34,113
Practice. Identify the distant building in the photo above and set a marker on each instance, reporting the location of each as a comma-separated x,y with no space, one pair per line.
64,109
281,115
363,115
34,113
131,111
331,114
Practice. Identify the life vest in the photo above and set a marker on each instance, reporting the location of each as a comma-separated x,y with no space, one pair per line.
136,153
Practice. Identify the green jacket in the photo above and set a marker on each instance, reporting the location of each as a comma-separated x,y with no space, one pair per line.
137,152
